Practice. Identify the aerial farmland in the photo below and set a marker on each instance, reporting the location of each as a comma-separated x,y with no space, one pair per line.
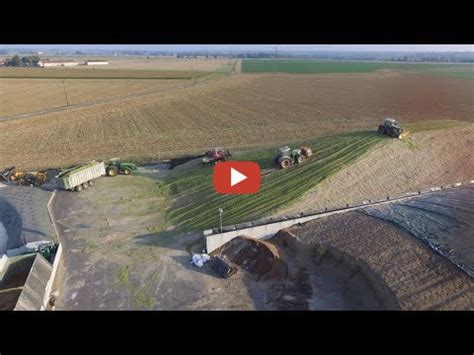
138,232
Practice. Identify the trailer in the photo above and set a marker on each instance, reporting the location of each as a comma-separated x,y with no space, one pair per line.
81,177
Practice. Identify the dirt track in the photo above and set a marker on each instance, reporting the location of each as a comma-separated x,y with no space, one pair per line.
429,159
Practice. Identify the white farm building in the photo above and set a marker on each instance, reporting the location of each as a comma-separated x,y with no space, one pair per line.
96,62
57,63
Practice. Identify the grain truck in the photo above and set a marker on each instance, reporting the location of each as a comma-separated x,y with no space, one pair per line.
79,178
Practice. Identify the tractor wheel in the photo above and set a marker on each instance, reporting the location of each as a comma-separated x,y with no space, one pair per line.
300,159
285,163
394,134
126,171
381,129
112,171
91,183
78,188
85,185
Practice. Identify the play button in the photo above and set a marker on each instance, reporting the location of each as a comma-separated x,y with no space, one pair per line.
236,177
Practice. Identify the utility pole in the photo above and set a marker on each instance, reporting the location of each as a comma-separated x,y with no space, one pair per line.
221,211
65,94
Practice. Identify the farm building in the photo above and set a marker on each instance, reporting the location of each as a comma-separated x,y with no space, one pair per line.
96,62
57,63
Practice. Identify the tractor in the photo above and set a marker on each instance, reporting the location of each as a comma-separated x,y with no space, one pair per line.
116,166
391,128
215,156
287,156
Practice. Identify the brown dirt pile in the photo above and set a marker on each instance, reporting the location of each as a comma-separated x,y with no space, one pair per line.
257,257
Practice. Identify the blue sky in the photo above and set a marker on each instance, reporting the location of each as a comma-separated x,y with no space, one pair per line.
338,47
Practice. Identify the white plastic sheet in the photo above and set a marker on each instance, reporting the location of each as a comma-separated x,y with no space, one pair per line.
200,259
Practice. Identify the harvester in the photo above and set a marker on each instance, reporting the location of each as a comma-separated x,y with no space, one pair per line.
287,156
215,156
391,128
116,167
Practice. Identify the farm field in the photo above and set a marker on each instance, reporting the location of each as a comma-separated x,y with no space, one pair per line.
322,66
25,90
241,111
29,95
170,63
97,73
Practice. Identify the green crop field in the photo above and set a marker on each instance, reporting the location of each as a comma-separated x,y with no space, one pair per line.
299,66
194,202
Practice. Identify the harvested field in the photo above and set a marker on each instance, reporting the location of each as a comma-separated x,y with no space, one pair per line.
96,73
431,158
400,267
238,111
172,63
41,94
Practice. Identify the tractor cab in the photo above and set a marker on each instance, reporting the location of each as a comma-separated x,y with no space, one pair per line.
287,156
116,166
391,128
215,156
390,122
284,152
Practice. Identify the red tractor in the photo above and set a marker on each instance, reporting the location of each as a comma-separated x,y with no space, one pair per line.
215,156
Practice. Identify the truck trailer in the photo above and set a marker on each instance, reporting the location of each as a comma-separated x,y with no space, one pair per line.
81,177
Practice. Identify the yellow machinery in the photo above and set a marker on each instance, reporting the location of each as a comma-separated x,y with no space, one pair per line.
36,178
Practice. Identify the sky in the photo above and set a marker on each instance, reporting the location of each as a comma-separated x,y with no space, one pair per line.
285,47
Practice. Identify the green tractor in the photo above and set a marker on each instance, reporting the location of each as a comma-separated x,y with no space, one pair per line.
287,156
116,167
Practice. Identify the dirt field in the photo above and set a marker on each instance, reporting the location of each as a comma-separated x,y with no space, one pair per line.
230,112
430,158
29,95
169,63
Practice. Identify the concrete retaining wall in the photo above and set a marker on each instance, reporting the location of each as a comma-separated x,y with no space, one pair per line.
49,285
3,262
268,230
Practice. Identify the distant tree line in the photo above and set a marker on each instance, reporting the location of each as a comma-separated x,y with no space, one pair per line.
28,61
452,59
